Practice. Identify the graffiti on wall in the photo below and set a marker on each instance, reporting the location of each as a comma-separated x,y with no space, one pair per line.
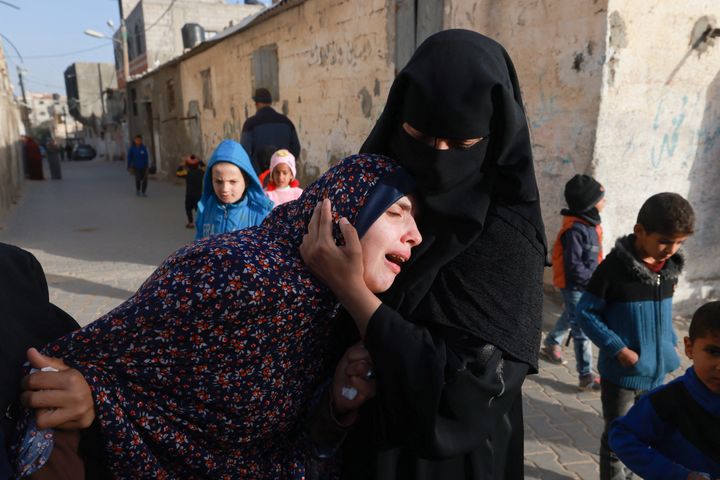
337,53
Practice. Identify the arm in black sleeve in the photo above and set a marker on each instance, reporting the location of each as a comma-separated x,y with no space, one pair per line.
438,397
443,387
576,272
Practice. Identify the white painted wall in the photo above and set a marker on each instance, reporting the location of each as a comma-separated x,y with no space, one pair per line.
659,127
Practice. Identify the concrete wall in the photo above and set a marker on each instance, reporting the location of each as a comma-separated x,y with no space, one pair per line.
659,125
162,29
558,53
84,83
11,175
335,70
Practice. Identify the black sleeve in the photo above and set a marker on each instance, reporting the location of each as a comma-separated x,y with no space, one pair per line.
442,388
27,319
576,272
439,397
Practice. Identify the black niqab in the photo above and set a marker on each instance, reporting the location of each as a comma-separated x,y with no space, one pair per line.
461,85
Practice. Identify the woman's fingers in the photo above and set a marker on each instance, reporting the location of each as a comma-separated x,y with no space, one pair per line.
358,352
40,361
325,227
352,241
358,369
60,398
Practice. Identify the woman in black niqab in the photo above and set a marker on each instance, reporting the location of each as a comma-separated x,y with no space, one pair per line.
460,328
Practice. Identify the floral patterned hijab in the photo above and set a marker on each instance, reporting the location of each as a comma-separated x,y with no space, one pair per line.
207,369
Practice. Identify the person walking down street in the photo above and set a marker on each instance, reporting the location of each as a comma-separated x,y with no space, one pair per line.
192,171
138,161
68,151
34,159
53,157
576,253
266,132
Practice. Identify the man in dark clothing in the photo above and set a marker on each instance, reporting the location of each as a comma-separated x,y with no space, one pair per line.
267,130
139,160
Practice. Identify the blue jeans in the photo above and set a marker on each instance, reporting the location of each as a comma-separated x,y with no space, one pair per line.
568,319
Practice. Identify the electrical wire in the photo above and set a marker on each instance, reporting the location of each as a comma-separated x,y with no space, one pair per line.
10,4
65,54
14,48
161,16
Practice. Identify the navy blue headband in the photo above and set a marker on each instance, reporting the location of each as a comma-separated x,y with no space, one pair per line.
388,190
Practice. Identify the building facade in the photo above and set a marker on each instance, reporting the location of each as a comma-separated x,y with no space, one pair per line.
11,173
155,28
601,97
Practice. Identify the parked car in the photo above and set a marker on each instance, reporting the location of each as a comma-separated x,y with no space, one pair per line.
83,152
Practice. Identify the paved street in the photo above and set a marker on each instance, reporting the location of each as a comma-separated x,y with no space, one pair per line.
97,242
95,239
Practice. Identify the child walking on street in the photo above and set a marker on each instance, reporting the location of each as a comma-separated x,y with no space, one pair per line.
192,170
673,432
626,311
576,254
139,161
282,174
232,197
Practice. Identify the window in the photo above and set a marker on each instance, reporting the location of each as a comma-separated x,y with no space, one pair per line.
133,98
139,39
170,95
265,69
415,21
131,47
207,89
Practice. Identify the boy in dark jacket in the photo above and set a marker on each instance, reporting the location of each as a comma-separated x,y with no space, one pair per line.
139,160
576,254
673,432
192,170
626,311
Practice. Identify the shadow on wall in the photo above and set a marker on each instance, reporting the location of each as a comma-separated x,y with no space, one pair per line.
703,249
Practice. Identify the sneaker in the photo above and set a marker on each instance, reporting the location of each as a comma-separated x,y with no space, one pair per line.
137,193
589,383
189,225
553,354
144,194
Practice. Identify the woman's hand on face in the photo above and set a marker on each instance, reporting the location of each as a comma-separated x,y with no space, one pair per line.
352,373
339,267
61,399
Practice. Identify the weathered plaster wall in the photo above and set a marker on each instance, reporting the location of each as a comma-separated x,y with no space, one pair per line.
11,175
558,53
659,125
164,40
334,74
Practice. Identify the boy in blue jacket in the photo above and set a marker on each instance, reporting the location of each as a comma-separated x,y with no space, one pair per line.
626,311
139,161
232,197
673,432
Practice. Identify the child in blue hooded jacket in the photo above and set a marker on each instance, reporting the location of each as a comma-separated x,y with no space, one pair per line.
232,197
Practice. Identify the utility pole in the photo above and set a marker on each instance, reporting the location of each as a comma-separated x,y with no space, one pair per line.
126,74
64,117
25,110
